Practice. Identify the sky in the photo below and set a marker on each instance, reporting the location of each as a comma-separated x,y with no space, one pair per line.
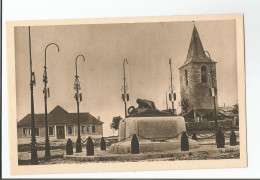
147,46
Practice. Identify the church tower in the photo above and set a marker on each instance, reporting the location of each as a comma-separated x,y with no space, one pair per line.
195,79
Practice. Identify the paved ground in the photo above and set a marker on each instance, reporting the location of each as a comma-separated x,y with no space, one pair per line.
207,150
204,153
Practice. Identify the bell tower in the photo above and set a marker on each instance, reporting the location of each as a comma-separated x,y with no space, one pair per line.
195,77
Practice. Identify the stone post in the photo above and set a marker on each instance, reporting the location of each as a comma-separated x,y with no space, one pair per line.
135,145
184,142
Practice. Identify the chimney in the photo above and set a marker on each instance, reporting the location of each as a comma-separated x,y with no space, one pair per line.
98,118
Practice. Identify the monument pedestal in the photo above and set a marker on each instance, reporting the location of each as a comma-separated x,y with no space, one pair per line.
155,134
146,146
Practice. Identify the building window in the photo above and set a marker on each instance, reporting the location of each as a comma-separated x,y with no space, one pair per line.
88,129
83,129
203,74
186,77
25,131
51,133
36,131
93,129
70,130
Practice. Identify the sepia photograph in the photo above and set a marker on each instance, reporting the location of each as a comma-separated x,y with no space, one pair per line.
129,93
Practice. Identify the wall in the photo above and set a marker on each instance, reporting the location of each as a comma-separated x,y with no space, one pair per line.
21,135
197,92
210,125
97,134
20,132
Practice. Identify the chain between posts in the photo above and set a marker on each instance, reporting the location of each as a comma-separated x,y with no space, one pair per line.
155,138
142,137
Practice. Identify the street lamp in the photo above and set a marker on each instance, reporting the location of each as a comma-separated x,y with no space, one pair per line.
213,91
172,96
78,98
34,157
125,96
45,92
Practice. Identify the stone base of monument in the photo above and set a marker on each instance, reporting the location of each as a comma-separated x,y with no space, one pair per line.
156,134
150,146
161,127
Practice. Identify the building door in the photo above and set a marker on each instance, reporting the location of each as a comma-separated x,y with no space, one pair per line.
60,132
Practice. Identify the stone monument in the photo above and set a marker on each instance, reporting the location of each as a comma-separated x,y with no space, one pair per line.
156,130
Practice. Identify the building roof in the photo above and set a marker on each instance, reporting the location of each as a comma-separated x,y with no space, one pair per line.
196,51
204,112
227,111
59,116
201,112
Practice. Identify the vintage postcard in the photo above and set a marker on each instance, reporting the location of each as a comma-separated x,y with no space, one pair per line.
126,94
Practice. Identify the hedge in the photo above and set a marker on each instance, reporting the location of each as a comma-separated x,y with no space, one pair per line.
208,125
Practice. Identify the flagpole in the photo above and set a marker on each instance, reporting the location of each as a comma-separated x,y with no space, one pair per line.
170,62
125,95
166,102
212,85
34,157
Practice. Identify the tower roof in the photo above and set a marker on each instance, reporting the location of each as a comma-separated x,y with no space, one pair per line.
196,51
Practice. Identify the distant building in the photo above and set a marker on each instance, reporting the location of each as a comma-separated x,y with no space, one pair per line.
195,81
62,125
227,112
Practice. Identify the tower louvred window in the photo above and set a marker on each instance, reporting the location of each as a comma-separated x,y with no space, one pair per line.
203,74
186,77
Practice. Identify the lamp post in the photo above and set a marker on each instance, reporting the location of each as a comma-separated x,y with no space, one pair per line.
47,92
125,96
166,101
213,91
34,158
78,98
172,96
